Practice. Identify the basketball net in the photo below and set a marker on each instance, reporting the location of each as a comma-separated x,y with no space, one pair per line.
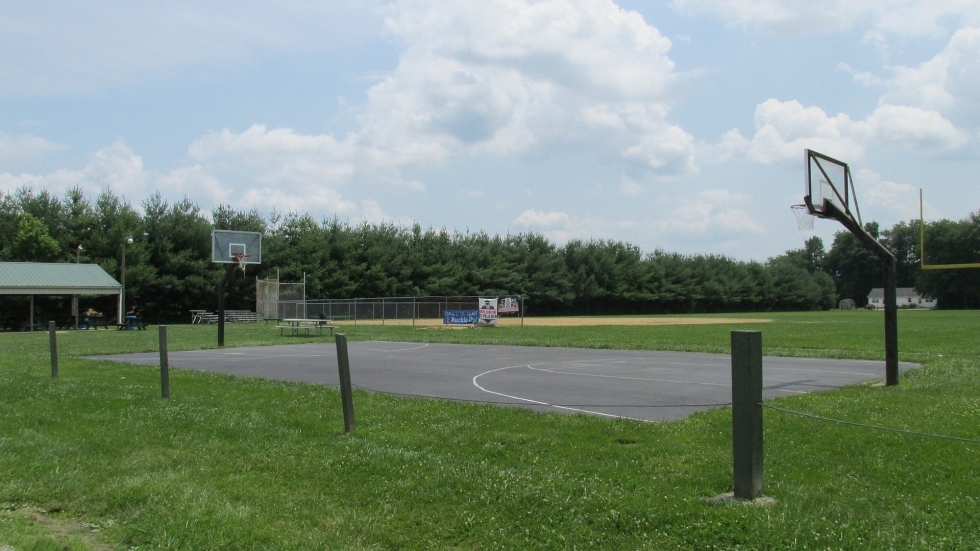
240,258
804,220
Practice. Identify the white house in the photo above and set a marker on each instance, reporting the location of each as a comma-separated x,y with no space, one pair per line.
906,297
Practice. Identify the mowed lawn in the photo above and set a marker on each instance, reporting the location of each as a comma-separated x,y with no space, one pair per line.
95,459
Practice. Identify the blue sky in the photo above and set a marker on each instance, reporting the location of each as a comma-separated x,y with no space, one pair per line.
677,125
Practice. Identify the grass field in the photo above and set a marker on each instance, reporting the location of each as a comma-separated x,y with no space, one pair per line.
97,460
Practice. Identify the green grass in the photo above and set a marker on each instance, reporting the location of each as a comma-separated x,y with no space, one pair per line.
239,463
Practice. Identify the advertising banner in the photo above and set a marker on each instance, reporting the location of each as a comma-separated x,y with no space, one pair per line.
509,305
488,311
460,317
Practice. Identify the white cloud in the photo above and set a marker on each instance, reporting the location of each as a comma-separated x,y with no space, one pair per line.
731,142
711,211
899,200
533,219
630,188
25,146
194,181
785,129
511,76
485,78
947,83
715,215
882,18
915,128
372,213
115,167
283,157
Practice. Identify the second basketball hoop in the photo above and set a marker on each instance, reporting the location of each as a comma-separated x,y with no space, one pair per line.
242,258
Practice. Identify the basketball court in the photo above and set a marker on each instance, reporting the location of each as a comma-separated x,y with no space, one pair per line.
644,385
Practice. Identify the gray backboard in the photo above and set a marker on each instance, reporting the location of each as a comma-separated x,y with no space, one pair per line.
829,186
225,243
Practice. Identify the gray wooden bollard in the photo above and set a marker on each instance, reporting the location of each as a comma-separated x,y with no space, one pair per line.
54,348
747,413
164,364
346,395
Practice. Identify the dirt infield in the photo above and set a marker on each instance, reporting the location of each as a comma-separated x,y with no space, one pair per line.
574,321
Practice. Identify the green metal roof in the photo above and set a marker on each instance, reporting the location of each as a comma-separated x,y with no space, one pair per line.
36,278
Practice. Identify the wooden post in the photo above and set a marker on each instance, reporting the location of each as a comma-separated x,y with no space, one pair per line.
747,413
164,364
54,348
346,395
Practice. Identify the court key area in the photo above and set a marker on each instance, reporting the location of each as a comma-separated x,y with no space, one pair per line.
643,385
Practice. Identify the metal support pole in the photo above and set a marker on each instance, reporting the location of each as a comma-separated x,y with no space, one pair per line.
891,304
120,316
891,325
53,337
164,364
346,394
747,413
221,304
522,310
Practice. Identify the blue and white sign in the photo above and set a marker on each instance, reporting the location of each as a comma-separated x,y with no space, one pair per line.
460,317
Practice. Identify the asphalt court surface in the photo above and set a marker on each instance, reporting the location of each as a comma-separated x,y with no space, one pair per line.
646,385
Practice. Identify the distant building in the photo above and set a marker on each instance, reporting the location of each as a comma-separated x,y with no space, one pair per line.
906,297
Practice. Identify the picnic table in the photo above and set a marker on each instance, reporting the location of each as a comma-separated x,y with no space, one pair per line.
131,323
295,325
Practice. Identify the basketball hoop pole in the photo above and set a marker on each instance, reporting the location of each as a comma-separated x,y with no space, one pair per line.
221,303
824,200
891,294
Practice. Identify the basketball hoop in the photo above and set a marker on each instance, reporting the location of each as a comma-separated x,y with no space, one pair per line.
804,220
240,258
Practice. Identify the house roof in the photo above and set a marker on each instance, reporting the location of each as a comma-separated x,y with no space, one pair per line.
37,278
900,292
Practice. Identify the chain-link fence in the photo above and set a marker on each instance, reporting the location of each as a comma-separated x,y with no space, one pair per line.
277,300
403,308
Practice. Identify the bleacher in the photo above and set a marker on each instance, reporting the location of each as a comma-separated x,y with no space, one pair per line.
231,316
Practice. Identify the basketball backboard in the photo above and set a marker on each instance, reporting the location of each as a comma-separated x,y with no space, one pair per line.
226,244
829,189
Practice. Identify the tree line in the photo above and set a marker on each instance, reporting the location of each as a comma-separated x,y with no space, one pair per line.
169,271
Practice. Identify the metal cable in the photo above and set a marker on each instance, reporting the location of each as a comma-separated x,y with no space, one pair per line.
496,402
889,429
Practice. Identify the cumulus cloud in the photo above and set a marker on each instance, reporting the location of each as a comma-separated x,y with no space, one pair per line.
785,129
25,146
899,200
711,211
946,83
731,142
483,78
533,219
115,167
511,76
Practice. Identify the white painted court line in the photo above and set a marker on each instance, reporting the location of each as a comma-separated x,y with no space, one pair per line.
538,402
